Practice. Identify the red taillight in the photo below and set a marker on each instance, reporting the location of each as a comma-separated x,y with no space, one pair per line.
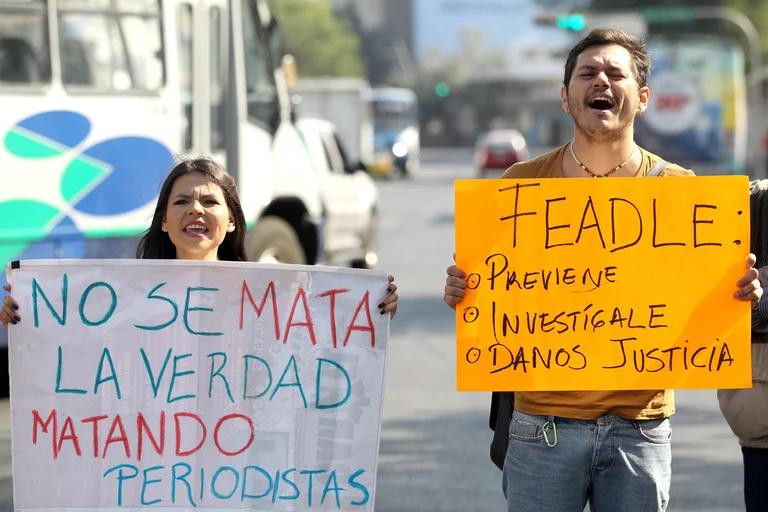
499,159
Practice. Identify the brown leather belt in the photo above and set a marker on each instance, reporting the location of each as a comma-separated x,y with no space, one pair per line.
759,337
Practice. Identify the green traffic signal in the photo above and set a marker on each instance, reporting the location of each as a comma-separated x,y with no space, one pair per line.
574,22
442,89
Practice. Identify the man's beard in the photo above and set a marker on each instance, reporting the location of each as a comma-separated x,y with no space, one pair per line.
598,134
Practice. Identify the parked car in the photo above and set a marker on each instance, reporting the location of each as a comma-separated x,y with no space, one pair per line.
495,150
349,196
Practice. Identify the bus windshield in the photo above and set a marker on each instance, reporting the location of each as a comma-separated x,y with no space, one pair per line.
24,52
111,44
391,114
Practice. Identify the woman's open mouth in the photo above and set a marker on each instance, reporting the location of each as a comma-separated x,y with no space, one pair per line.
196,229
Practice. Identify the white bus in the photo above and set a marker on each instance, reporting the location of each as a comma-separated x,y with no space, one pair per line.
97,98
396,130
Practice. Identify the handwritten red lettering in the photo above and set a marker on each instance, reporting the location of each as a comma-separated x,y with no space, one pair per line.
269,291
117,424
364,306
141,426
177,420
301,295
331,294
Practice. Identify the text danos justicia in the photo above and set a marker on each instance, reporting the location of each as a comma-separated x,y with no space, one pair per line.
624,353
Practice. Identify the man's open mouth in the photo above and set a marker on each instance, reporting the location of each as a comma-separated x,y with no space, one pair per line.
601,103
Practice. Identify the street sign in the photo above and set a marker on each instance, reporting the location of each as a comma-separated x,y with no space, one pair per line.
667,14
584,22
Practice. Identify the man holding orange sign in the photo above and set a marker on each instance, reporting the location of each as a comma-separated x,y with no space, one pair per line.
605,445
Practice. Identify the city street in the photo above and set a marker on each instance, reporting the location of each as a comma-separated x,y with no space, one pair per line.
434,442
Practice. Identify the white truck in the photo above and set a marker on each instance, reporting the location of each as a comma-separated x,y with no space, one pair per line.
345,102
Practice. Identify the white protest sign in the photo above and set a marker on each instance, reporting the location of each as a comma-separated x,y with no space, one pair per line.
208,385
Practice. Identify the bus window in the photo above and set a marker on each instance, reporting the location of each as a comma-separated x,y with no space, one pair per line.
394,111
145,6
217,77
184,24
24,54
111,47
259,80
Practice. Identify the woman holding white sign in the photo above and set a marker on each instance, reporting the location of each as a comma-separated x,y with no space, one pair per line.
198,217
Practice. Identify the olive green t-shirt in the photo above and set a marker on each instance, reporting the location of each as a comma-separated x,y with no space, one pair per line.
589,405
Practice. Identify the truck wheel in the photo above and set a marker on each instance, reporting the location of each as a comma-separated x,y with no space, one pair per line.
370,245
273,240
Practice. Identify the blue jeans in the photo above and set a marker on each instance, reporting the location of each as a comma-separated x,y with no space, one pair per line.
556,464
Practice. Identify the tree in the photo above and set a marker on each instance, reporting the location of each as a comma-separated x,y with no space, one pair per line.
321,43
757,10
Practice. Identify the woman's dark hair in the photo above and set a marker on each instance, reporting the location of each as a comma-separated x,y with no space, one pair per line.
641,61
155,244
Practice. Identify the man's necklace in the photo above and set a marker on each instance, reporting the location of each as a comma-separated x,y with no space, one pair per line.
586,169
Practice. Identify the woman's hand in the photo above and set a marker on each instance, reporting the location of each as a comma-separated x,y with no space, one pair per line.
749,288
455,286
389,304
9,312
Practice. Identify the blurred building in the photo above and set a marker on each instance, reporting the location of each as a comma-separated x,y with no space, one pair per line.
480,64
386,30
496,67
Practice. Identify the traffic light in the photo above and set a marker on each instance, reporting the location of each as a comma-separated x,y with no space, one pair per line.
573,22
632,22
442,89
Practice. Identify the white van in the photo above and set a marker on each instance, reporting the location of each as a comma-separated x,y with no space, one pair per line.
349,195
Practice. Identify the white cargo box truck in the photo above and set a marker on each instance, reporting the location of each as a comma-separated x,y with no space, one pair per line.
346,102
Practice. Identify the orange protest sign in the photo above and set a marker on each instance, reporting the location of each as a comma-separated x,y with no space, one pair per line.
590,284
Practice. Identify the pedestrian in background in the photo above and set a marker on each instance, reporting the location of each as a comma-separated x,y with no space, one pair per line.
608,448
746,410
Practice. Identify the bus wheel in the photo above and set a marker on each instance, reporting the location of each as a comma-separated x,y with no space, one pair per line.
273,240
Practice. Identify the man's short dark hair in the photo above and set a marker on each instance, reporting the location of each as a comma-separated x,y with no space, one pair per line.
604,36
